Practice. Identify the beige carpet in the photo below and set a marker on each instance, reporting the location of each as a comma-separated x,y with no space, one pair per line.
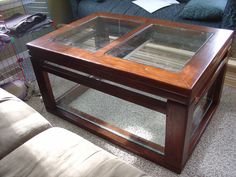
214,156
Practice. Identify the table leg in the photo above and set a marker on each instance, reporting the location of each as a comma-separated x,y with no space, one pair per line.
44,84
178,128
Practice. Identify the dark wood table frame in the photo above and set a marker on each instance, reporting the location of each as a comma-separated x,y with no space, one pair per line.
202,75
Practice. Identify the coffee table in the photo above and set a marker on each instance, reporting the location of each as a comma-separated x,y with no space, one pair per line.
164,78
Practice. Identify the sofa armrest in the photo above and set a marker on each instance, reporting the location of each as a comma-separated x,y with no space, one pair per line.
229,16
18,123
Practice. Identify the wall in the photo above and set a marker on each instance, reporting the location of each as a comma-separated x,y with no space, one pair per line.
60,11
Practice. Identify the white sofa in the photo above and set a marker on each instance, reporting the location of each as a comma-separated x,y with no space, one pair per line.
30,146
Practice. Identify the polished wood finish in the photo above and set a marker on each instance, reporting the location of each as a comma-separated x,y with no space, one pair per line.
203,74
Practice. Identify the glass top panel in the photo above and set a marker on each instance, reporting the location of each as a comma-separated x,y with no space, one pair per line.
96,33
162,47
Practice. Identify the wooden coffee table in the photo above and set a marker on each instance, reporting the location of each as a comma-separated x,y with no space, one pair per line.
173,72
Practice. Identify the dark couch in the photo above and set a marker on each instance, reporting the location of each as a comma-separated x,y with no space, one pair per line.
82,8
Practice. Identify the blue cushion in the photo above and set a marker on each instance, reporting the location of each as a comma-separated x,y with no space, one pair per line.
204,9
229,18
87,7
183,1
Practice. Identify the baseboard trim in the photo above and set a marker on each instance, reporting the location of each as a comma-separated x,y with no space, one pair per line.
230,77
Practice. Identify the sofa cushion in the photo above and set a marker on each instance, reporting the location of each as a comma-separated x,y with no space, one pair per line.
18,122
204,9
171,13
229,18
58,152
183,1
87,7
215,24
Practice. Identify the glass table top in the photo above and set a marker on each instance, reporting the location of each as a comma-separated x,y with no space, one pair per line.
96,33
162,47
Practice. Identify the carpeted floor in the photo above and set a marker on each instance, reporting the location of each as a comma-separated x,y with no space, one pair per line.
138,120
215,154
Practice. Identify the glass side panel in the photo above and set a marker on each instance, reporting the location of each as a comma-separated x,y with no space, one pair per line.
96,33
147,125
200,111
162,47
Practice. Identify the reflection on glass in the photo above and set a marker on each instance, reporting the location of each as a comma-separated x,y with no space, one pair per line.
200,111
137,120
96,33
58,85
162,47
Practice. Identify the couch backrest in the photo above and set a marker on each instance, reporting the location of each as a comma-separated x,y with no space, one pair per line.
229,17
183,1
